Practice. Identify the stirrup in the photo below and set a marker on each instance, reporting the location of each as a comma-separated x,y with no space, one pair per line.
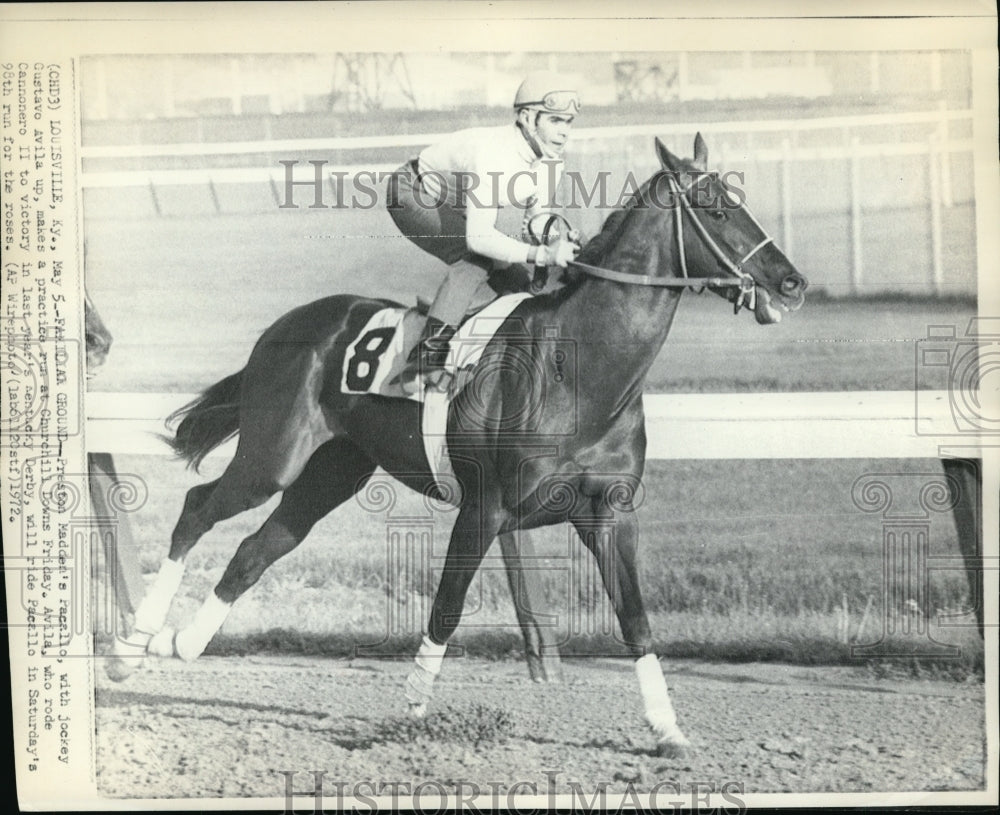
432,350
428,358
412,378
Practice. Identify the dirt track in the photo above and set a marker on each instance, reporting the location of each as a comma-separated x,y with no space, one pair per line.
229,726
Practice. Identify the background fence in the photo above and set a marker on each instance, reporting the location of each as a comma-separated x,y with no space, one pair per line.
878,202
679,426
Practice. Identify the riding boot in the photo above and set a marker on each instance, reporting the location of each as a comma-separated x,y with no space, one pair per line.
460,289
428,356
432,350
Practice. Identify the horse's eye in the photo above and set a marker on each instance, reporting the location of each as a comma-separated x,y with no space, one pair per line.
719,214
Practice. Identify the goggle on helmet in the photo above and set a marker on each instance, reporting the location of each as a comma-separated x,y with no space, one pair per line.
555,102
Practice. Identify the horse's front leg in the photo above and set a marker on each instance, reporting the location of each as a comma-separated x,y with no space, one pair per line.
613,539
477,524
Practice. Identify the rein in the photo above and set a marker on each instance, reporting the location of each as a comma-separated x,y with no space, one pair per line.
747,295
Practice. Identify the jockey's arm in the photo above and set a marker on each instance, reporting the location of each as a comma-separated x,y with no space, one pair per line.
544,202
483,238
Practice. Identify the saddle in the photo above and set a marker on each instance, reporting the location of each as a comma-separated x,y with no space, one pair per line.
377,356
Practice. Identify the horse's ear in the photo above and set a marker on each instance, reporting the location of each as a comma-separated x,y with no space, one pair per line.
668,160
700,153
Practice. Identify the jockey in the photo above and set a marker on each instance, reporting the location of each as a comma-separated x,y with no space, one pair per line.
448,200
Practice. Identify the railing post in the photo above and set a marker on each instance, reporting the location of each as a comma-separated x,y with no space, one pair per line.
152,195
786,198
274,189
215,195
857,256
944,135
934,182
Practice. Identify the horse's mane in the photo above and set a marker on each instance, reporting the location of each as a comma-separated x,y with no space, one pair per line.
611,229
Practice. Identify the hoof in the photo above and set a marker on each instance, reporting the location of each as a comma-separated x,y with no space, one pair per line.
126,656
535,669
118,669
187,646
552,666
162,643
544,669
676,747
417,711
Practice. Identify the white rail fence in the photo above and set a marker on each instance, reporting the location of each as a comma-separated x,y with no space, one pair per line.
890,424
937,146
790,127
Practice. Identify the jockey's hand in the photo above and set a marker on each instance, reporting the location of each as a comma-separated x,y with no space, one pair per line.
559,253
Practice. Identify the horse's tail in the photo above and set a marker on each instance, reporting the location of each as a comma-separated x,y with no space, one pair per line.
210,420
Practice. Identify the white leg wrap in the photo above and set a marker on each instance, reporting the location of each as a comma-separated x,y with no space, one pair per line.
653,687
161,644
153,608
191,641
420,682
431,655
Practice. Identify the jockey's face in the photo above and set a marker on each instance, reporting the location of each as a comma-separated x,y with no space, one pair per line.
551,129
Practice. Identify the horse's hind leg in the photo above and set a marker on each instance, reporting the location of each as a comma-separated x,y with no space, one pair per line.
247,483
127,654
333,474
152,610
239,489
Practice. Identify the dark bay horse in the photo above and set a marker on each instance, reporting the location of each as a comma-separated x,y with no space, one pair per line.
965,484
96,336
535,441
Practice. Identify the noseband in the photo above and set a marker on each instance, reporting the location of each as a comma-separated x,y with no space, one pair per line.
747,295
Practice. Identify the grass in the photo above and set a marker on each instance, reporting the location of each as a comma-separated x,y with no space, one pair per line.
165,288
766,577
482,725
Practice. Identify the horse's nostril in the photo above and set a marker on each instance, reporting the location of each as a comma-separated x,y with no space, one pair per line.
791,284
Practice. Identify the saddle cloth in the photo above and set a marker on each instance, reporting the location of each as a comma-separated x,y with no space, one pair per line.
375,359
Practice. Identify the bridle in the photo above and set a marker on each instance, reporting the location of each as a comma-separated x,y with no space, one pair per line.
747,294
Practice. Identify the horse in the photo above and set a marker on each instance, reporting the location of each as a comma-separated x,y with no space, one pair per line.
533,443
96,336
965,486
